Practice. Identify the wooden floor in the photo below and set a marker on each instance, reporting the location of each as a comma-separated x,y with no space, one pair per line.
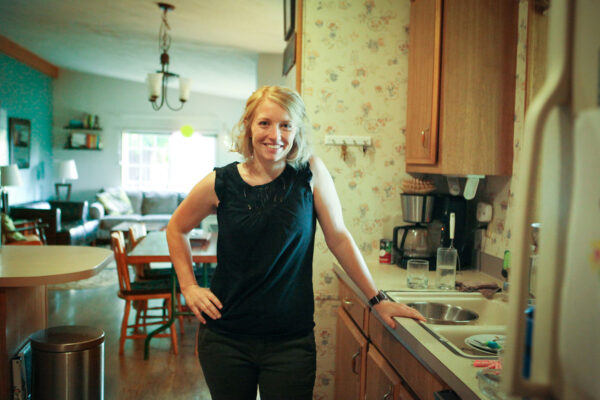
163,376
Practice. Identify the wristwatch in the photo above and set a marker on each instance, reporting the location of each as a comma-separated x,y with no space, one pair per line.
380,296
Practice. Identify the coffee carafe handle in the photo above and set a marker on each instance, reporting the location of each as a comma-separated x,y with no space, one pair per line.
395,238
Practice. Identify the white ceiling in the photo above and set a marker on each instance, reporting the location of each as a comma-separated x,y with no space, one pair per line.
214,42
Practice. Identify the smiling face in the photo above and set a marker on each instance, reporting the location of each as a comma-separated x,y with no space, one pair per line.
273,132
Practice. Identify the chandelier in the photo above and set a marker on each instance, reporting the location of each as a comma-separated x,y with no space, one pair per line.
157,82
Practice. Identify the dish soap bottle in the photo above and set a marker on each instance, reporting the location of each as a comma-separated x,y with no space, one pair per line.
445,271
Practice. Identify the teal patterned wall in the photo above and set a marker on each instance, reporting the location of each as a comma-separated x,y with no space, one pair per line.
27,93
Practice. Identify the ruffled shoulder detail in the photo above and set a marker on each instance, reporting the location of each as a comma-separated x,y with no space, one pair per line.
222,176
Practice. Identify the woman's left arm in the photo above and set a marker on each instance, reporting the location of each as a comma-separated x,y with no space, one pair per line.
343,247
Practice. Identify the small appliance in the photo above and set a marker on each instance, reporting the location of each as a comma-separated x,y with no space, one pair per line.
415,241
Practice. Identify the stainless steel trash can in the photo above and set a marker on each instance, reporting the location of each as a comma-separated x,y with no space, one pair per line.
68,363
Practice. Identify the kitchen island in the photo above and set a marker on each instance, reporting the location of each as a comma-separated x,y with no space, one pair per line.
24,273
441,368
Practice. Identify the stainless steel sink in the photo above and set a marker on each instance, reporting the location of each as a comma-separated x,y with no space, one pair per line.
443,313
491,320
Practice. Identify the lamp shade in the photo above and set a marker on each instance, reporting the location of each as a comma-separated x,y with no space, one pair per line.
10,176
66,170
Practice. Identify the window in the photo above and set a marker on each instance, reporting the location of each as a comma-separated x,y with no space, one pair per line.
165,161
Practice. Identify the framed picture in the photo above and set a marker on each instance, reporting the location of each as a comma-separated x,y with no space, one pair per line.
289,55
289,18
20,140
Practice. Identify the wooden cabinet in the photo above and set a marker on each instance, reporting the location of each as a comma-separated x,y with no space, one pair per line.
380,369
350,359
420,380
354,306
461,87
383,383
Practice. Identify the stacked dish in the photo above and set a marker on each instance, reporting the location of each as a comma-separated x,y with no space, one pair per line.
486,343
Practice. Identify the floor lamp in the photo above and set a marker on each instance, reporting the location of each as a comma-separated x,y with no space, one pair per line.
65,170
9,176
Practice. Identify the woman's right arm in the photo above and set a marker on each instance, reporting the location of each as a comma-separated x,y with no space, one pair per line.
199,203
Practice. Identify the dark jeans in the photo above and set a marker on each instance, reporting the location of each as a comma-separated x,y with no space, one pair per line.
281,368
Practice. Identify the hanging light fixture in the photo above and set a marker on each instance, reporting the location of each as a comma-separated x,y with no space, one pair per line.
157,82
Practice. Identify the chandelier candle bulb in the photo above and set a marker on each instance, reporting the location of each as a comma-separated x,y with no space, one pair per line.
184,89
154,82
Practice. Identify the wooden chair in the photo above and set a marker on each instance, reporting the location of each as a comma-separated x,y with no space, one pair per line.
139,291
23,232
144,272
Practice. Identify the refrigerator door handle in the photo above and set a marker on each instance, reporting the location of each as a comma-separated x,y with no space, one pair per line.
553,101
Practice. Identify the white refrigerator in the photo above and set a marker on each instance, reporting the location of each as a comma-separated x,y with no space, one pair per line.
562,142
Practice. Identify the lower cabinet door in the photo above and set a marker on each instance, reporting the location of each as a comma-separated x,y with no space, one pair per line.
383,383
350,359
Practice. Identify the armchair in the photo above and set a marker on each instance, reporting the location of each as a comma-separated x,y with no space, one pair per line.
68,221
23,232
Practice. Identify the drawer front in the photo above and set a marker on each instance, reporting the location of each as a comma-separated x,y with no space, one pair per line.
354,306
419,379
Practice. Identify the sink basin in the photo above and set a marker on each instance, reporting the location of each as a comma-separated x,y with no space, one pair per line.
453,337
492,318
441,313
491,312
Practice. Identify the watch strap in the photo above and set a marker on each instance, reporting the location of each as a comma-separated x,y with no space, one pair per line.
380,296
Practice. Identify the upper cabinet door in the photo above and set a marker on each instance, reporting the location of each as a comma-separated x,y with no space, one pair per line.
423,82
473,85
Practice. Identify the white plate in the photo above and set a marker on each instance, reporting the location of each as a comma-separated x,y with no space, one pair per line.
478,342
199,234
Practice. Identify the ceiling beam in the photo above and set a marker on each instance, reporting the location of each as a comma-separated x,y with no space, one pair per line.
23,55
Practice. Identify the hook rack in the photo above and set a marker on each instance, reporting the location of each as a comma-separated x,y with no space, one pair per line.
363,141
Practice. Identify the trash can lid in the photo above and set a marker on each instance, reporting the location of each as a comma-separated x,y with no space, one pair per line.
61,339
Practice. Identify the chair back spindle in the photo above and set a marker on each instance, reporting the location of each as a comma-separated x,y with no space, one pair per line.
118,245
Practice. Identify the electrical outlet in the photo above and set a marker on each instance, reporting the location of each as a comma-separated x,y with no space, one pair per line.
484,212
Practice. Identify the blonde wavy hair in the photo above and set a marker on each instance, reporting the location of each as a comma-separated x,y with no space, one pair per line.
293,104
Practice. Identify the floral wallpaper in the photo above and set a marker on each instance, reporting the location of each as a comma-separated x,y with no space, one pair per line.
354,77
499,189
354,82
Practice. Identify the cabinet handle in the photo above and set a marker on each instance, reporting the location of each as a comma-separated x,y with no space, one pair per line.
424,137
389,393
354,358
347,302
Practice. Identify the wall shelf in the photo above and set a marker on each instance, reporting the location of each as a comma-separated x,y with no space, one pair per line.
79,148
73,128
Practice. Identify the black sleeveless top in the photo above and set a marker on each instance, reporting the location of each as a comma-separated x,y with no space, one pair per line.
264,252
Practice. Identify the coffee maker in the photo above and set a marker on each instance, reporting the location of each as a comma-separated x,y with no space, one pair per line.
415,242
440,226
429,216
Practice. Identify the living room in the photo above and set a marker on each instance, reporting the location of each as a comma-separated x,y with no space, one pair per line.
67,92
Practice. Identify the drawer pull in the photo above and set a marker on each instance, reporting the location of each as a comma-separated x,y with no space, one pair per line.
348,302
424,137
354,358
388,395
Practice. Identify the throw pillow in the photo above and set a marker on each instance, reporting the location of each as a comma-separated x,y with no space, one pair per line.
159,203
8,230
115,202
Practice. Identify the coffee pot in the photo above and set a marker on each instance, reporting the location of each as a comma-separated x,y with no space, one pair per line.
413,243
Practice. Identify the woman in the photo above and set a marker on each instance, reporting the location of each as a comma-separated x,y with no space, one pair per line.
258,314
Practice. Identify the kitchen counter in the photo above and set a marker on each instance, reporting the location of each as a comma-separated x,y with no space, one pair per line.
458,372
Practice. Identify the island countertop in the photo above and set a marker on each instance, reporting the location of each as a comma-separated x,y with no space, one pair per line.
22,266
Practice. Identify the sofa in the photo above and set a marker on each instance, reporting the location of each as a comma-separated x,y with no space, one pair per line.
68,222
115,205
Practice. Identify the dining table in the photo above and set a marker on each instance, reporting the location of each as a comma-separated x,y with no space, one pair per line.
154,248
